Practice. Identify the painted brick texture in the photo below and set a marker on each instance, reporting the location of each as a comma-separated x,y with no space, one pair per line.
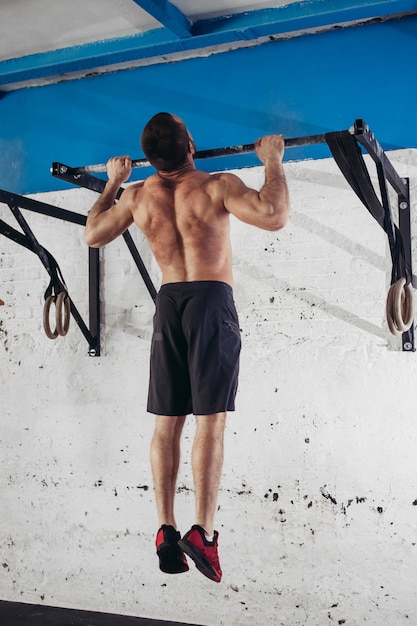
317,508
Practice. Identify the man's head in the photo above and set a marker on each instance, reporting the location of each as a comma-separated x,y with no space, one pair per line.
165,142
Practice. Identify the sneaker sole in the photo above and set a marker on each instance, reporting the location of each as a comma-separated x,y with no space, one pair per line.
169,562
200,561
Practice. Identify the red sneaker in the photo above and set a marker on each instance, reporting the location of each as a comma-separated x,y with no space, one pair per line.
171,558
203,552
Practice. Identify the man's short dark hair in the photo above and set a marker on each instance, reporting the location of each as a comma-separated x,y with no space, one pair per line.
165,142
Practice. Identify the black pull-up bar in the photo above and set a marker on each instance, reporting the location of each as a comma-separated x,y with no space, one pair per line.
213,153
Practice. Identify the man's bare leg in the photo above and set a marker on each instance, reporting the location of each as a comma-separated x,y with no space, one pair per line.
207,462
200,543
165,459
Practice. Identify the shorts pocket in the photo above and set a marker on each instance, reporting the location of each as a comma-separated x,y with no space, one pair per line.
231,325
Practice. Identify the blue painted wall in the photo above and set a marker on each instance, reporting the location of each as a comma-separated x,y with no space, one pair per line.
302,86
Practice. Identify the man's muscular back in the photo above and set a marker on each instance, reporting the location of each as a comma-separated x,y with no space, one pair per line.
186,224
184,213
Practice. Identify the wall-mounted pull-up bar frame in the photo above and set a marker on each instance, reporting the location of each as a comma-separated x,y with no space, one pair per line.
71,175
28,240
347,154
344,146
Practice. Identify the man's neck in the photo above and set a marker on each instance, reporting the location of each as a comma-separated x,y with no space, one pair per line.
187,166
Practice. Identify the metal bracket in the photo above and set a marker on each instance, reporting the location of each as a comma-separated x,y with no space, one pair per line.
73,175
364,135
29,241
404,223
386,172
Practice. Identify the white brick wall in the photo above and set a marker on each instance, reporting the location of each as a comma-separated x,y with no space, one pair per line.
317,508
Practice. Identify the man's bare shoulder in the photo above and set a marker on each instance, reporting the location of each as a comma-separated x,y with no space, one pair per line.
228,176
131,194
132,189
227,179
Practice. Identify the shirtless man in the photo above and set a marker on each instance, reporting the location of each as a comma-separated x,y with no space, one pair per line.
184,214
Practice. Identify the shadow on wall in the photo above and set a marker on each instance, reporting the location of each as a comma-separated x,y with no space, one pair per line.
354,249
329,234
314,300
341,241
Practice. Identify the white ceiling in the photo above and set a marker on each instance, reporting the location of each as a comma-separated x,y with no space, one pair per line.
33,26
48,41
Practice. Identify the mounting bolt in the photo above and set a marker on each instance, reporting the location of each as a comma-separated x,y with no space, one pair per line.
92,352
403,205
62,169
408,345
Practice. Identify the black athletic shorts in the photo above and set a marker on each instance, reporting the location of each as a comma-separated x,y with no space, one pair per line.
194,362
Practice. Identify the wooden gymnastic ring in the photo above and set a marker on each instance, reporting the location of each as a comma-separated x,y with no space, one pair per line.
393,306
403,305
400,307
399,304
62,313
46,325
409,312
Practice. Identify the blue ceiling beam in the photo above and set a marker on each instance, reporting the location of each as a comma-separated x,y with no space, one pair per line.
168,15
161,45
298,86
306,16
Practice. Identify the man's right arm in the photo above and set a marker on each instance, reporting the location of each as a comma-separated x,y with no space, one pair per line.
108,220
269,207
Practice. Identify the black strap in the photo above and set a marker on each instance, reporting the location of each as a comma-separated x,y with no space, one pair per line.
57,283
348,156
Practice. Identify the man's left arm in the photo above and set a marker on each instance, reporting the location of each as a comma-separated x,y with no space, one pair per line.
108,220
269,207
